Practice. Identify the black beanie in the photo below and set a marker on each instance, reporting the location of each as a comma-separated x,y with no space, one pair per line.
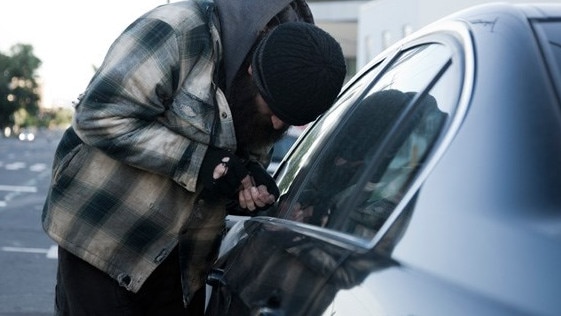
299,70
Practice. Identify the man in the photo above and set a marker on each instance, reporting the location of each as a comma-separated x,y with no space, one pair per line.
177,123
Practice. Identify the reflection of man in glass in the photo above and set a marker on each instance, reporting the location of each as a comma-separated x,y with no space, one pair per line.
360,142
303,210
396,136
339,167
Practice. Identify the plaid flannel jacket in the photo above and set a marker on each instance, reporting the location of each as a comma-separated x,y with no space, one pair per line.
124,191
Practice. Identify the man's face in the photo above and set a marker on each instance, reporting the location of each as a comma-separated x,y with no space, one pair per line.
256,126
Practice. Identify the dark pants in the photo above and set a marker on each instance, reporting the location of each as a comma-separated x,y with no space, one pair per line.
83,290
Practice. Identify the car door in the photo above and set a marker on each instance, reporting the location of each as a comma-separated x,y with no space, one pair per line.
347,190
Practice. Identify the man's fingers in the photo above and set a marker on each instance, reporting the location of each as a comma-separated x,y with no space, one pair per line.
246,199
265,195
258,197
219,171
252,197
247,182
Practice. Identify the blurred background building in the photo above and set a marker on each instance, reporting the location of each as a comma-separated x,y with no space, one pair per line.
365,28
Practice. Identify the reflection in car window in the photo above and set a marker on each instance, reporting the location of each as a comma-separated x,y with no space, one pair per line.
395,167
374,152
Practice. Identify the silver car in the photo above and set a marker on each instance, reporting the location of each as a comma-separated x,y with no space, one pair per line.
432,186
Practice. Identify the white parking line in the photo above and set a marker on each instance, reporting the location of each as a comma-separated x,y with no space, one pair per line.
51,253
26,250
38,167
18,188
16,165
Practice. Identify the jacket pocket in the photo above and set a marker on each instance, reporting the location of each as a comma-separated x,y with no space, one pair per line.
60,171
190,115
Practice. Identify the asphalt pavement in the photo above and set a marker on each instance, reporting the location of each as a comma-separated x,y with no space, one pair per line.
27,255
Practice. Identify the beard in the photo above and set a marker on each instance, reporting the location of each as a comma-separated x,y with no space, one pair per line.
254,130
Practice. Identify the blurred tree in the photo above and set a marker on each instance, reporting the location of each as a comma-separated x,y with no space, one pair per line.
55,118
18,85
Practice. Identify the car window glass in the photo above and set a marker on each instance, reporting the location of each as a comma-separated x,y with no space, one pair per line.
363,207
302,155
353,182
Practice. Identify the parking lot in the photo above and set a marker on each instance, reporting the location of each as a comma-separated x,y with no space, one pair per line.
27,255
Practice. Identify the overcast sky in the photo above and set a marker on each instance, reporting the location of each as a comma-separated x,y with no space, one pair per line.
69,36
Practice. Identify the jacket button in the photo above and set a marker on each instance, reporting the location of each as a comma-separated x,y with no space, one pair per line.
161,256
224,115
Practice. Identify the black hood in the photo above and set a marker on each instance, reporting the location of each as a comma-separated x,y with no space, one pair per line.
240,24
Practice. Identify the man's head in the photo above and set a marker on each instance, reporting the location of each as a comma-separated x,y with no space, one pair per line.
299,70
293,76
252,120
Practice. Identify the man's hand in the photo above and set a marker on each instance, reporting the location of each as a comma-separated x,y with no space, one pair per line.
259,188
252,197
222,173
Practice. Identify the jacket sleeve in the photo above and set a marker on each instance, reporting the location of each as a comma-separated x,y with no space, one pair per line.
124,109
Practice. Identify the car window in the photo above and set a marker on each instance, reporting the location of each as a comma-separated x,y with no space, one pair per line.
372,145
282,147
